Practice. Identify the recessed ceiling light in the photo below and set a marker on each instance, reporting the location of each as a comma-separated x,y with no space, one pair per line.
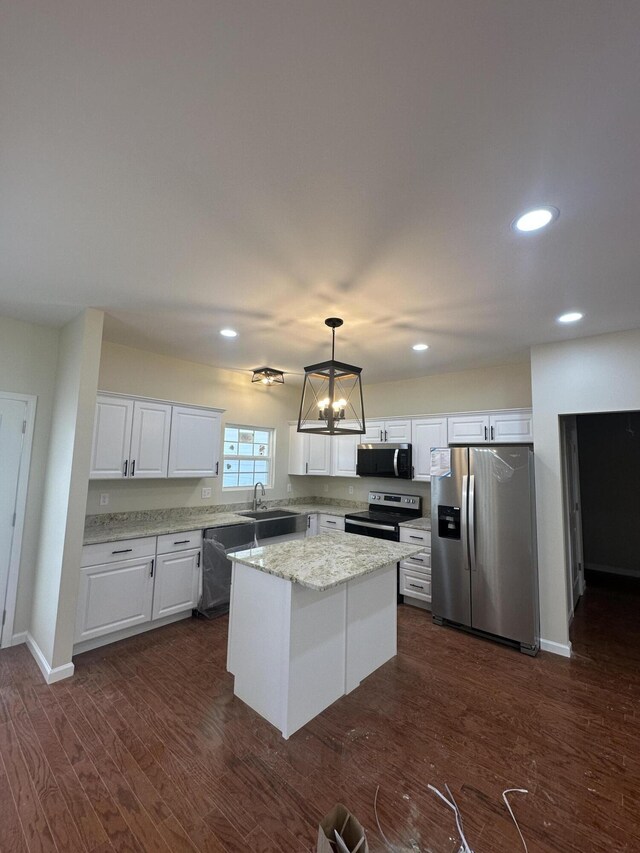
229,333
532,220
420,347
570,317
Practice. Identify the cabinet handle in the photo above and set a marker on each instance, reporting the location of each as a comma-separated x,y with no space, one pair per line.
381,436
123,551
386,435
306,467
417,559
126,465
153,562
419,538
330,522
133,468
492,435
217,466
181,542
198,565
308,521
485,433
416,586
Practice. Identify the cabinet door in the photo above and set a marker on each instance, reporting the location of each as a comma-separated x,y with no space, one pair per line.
397,432
427,433
177,583
319,457
468,429
374,433
194,449
511,427
111,438
343,455
150,440
312,524
113,596
298,451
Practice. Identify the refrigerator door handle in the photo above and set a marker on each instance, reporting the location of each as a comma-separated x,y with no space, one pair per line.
463,522
472,522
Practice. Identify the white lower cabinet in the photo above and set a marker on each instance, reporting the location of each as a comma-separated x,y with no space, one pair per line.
128,584
177,583
415,572
312,524
329,522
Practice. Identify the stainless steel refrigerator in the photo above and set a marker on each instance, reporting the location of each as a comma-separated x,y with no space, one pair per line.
483,544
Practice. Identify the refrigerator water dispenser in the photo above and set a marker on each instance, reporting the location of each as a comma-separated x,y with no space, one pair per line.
448,522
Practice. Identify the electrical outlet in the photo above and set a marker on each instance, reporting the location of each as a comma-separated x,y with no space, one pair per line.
350,490
288,487
206,492
104,498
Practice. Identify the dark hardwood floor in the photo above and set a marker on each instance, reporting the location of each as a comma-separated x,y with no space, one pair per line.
146,749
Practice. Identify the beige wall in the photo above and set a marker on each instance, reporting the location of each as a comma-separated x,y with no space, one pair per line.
503,387
130,371
28,356
55,588
596,374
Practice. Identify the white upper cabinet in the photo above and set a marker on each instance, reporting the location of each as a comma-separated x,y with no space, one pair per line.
194,450
344,455
492,428
395,431
111,438
468,429
150,440
427,433
145,439
319,458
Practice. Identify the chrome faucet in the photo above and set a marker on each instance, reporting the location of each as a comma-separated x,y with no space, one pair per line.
255,494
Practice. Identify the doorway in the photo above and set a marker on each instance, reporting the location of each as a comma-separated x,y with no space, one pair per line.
601,472
17,413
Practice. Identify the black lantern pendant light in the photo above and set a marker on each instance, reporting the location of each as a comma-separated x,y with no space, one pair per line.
332,401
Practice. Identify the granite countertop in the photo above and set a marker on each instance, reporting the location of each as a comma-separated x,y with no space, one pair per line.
325,561
112,527
417,523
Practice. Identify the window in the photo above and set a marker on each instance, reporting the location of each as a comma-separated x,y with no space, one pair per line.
248,457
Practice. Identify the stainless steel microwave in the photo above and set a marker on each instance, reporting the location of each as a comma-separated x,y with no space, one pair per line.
384,460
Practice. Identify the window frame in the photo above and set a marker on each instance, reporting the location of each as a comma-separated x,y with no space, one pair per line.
270,458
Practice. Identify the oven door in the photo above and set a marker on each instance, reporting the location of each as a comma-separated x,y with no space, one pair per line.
372,528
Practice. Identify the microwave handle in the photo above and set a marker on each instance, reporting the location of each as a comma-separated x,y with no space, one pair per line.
395,461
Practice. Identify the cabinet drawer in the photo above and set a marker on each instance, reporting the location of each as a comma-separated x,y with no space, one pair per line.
331,522
418,562
415,536
170,542
415,585
113,552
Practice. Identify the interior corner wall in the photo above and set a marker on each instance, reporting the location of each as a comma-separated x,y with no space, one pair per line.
595,374
125,370
65,490
28,357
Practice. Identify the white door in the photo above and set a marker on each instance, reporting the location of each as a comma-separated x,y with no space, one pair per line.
319,460
177,583
194,449
114,596
111,438
397,432
150,440
13,414
511,427
374,432
427,433
344,455
468,429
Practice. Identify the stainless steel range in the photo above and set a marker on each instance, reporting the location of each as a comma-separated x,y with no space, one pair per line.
386,511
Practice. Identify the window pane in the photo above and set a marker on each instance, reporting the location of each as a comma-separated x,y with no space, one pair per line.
261,437
245,480
230,434
254,447
246,466
231,465
246,435
229,480
261,466
246,450
260,449
230,448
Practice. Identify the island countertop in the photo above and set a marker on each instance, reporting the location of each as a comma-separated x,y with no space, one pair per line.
325,561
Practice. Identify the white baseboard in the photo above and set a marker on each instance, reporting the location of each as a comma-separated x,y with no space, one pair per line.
51,675
125,633
17,639
562,649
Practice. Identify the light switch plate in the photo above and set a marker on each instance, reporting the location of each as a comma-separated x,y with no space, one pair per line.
288,487
206,492
350,490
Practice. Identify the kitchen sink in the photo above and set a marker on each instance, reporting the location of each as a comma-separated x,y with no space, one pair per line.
270,523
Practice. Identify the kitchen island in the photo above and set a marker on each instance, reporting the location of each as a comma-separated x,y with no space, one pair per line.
310,619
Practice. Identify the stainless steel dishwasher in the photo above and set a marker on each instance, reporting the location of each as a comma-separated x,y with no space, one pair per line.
216,566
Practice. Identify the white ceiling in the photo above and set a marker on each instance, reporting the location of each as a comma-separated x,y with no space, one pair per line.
264,164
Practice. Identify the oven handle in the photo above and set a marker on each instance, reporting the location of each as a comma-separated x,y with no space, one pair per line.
370,524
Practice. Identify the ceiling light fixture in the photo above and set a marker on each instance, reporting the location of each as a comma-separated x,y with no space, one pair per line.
229,333
420,347
332,401
570,317
533,220
268,376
